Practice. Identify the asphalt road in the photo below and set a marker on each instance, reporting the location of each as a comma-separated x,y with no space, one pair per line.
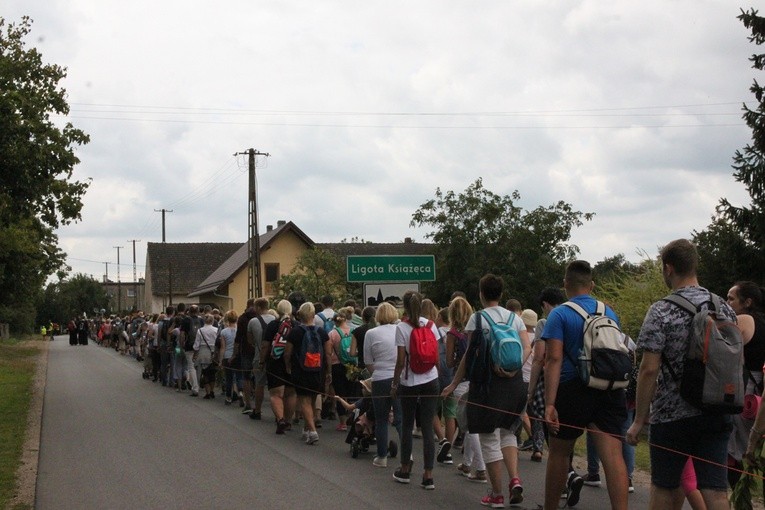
113,440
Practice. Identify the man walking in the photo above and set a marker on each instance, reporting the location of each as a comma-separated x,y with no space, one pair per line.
570,405
676,425
255,329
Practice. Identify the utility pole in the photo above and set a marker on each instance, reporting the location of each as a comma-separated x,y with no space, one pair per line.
253,240
106,276
169,264
119,283
163,211
135,278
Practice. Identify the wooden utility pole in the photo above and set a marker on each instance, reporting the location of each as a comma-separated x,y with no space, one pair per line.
163,211
169,265
119,283
254,288
135,277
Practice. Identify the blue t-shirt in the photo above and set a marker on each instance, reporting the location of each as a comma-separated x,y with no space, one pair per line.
566,324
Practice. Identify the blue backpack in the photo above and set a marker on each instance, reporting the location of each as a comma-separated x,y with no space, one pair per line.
506,346
329,324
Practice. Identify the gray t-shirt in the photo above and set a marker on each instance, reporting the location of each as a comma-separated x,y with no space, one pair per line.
255,333
665,331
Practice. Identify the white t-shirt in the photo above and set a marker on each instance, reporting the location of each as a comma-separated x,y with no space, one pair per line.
502,315
380,350
499,315
328,314
409,378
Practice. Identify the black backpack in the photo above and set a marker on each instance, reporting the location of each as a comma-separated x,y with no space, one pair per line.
188,345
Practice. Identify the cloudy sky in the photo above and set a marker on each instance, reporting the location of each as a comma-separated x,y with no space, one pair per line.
630,110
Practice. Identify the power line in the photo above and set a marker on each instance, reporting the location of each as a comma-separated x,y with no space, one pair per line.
395,126
207,110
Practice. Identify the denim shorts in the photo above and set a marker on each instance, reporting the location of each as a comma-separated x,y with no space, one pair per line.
703,437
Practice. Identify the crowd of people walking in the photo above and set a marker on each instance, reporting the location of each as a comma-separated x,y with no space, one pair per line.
476,381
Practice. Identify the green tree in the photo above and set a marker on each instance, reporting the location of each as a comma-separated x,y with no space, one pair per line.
749,163
317,272
71,297
631,292
725,257
37,193
611,267
478,231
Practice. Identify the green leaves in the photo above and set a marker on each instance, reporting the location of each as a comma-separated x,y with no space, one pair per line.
749,162
38,157
478,231
37,193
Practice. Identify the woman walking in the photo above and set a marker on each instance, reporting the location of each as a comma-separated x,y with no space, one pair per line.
380,354
413,385
308,351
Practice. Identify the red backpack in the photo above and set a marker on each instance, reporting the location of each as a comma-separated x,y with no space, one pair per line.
423,349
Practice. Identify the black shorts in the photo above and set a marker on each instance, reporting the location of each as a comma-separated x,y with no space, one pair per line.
580,406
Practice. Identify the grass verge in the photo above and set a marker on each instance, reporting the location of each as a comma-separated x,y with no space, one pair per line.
17,369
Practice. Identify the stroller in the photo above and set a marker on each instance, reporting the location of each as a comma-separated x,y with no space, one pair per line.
361,424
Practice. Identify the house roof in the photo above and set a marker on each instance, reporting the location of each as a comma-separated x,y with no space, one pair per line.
190,264
238,260
406,248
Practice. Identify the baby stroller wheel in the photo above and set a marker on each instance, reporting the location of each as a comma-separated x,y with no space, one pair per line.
392,449
354,448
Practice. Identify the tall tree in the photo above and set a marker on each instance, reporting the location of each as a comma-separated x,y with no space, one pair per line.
478,231
37,192
725,257
749,162
70,297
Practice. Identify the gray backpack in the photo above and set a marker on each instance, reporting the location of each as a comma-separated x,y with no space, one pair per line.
713,377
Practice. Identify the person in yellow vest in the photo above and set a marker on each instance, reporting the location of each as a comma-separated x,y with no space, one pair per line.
44,332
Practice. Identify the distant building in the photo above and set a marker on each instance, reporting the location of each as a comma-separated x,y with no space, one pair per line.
127,295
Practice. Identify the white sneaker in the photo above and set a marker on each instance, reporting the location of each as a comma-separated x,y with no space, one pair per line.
381,462
313,437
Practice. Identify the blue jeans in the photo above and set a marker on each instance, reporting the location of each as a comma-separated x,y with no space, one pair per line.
427,395
628,451
231,376
382,403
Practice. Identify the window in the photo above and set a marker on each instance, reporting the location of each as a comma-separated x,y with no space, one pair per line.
130,293
272,274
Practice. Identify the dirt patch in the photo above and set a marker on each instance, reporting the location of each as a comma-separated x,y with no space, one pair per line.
26,475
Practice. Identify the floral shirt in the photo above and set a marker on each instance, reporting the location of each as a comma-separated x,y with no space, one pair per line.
665,331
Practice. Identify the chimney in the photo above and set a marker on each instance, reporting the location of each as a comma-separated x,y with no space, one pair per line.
280,223
408,240
269,228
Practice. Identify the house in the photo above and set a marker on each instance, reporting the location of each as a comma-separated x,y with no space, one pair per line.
226,286
217,273
173,270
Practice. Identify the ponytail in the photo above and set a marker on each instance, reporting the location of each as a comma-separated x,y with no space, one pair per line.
412,307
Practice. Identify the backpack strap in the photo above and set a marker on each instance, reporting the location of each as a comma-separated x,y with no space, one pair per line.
578,309
682,302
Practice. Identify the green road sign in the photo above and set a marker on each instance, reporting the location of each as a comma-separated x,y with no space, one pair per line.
391,268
